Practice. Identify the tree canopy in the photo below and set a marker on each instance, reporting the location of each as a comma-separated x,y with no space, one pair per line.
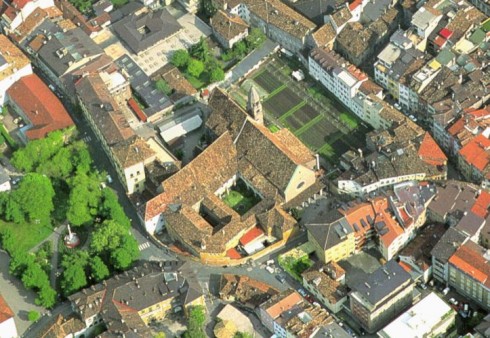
180,58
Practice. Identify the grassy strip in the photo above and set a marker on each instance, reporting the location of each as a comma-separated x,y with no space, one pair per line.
291,111
275,91
11,142
273,128
327,151
295,267
307,126
349,120
26,235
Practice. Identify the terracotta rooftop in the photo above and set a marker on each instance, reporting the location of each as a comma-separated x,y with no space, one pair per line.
15,59
275,307
324,35
132,151
228,25
44,110
280,15
469,260
430,152
482,205
476,153
5,311
252,234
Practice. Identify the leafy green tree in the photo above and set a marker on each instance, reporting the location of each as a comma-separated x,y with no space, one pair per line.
217,74
99,269
82,158
195,67
84,198
255,38
208,8
74,277
38,151
19,262
34,277
59,166
46,297
180,58
123,257
163,86
197,317
116,241
111,209
33,316
13,211
240,49
200,50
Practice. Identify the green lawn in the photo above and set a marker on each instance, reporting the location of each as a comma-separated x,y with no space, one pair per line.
295,267
273,128
195,82
26,235
239,202
119,3
349,120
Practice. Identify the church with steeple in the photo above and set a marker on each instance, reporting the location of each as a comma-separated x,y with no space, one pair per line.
254,106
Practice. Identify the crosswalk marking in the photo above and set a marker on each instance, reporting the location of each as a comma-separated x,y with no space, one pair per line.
144,246
87,138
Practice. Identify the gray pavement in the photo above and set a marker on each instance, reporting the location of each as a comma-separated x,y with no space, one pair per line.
19,298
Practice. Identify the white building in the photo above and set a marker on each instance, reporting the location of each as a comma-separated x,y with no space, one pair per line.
428,318
19,10
13,66
7,324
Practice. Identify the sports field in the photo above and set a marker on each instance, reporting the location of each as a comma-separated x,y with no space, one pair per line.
308,110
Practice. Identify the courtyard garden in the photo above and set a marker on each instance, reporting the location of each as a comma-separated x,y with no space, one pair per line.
240,198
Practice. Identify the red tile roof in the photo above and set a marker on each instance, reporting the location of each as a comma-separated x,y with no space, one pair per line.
469,259
252,234
445,33
5,311
456,127
44,110
233,254
355,4
482,204
405,266
284,305
440,41
137,110
476,153
430,152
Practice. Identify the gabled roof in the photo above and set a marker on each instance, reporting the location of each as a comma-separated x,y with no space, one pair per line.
469,260
227,25
43,109
476,153
5,311
430,152
132,151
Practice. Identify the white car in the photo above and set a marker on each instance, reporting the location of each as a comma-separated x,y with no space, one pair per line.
109,179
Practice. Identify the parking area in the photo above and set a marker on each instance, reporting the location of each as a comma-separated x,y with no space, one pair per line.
305,108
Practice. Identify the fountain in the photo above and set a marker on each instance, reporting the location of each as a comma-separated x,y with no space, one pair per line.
71,240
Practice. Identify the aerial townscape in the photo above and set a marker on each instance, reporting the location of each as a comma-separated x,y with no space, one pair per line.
244,168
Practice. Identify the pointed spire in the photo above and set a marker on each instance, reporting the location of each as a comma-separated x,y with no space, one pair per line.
254,106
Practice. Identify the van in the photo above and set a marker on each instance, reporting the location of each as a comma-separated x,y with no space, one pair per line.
446,291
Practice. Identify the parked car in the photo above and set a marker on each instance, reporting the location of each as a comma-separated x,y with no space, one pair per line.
302,292
446,291
423,286
268,268
281,279
309,298
453,301
109,179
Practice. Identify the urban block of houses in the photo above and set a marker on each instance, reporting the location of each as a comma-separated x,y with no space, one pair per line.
228,29
13,66
274,168
392,220
63,326
14,13
276,19
327,284
430,316
244,290
378,298
40,109
126,303
7,323
289,315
